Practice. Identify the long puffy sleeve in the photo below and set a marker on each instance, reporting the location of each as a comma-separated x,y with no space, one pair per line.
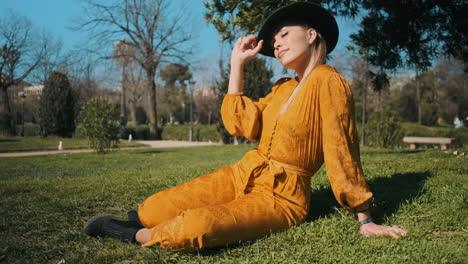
340,143
242,116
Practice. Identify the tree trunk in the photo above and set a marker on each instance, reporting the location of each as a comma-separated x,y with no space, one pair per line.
4,101
123,108
152,111
7,123
132,109
418,98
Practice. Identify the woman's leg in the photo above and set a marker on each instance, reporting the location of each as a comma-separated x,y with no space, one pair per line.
213,188
250,217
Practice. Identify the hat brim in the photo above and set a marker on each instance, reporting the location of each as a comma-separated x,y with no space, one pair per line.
314,15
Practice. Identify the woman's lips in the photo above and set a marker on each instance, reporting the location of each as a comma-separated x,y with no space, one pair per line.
281,53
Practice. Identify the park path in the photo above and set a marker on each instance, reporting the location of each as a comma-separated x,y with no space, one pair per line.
150,143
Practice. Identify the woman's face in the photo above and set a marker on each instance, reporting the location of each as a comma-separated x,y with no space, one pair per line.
292,46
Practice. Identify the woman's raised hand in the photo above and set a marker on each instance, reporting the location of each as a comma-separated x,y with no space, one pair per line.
245,49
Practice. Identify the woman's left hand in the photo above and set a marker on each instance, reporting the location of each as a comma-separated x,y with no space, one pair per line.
373,229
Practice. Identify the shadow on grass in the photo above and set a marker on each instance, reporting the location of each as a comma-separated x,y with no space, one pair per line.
216,251
8,140
389,194
153,151
403,151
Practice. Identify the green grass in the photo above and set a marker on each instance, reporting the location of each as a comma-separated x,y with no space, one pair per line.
46,199
19,144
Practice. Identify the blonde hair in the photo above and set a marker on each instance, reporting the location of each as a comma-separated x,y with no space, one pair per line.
319,52
319,56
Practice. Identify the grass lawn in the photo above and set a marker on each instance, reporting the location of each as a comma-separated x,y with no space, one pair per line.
19,144
46,199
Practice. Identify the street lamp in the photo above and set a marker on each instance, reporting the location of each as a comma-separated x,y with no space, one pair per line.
22,95
192,88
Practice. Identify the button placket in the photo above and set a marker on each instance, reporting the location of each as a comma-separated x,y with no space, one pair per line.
271,139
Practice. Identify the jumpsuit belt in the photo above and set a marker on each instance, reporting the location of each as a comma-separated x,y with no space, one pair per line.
276,169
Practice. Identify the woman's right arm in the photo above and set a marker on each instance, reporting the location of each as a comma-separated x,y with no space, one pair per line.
240,115
244,50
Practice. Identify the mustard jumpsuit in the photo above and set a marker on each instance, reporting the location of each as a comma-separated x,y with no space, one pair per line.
269,189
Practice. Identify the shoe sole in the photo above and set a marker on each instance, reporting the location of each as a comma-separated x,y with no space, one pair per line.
94,225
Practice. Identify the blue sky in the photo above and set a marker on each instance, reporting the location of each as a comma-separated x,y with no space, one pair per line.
56,16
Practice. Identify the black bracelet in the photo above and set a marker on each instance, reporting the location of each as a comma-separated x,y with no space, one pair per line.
362,211
367,221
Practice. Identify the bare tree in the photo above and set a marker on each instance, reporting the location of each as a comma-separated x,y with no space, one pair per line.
21,52
206,104
134,89
80,67
123,52
153,31
52,59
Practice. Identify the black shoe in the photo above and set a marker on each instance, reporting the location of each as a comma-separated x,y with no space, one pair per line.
108,226
133,217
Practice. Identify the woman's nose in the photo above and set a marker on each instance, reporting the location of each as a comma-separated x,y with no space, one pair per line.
276,45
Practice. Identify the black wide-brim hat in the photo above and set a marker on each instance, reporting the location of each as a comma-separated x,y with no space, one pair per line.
313,15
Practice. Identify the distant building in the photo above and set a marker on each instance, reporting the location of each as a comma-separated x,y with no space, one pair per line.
397,82
33,90
207,91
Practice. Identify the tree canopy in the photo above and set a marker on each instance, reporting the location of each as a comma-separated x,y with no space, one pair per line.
392,33
412,33
233,17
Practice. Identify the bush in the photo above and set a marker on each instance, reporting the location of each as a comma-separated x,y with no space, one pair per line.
100,122
142,132
57,106
141,116
460,135
382,129
30,129
430,113
7,127
79,131
181,132
129,129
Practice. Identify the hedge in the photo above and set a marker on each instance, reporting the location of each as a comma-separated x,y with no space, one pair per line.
181,132
459,134
30,129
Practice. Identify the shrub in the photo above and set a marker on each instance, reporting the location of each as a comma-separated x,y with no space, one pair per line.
7,127
382,129
141,116
142,132
181,132
79,131
57,106
129,129
430,113
206,133
100,122
30,129
175,132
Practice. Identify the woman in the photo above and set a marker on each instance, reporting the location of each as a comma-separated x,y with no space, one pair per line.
303,122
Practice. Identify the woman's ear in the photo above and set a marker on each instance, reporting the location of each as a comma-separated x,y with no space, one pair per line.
312,35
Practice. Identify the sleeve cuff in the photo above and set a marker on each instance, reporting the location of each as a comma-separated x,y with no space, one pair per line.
234,94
